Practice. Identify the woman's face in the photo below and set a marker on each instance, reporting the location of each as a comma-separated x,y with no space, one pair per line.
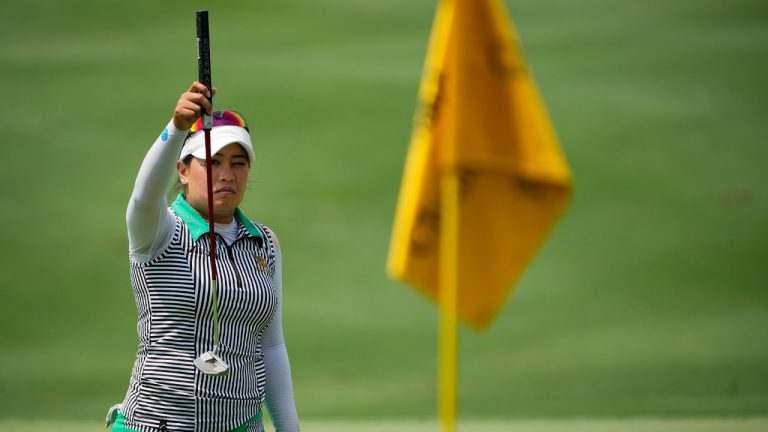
230,169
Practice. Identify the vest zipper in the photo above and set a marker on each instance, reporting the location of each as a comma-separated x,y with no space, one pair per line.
231,257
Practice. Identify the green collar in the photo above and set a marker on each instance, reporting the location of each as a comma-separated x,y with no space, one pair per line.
199,226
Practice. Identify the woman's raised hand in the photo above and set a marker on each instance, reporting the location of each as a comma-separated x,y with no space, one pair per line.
191,105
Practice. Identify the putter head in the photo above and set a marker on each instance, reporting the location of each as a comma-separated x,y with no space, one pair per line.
210,363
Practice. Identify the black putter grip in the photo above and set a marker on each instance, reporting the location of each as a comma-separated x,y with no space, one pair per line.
204,59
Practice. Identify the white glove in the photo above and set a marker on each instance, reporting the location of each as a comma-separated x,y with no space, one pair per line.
112,414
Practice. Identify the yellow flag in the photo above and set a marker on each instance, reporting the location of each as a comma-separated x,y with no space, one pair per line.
480,117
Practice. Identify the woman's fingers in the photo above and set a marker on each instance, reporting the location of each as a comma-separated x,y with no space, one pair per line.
198,87
191,104
199,99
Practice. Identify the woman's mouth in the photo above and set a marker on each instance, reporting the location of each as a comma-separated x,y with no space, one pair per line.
225,191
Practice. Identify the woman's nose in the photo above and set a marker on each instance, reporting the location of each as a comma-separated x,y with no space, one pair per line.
226,172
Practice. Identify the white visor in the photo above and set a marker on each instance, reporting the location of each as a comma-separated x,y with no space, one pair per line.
221,136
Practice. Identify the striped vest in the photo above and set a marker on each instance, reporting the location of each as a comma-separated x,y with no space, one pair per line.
175,326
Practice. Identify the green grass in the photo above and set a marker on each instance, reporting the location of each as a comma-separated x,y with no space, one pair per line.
649,300
578,425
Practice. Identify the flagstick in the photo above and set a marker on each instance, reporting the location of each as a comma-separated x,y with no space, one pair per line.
448,337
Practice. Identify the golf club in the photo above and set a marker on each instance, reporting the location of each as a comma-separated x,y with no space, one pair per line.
209,362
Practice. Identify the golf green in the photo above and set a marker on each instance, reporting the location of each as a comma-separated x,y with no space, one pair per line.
648,300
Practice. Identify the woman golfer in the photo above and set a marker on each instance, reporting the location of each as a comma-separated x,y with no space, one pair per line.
171,278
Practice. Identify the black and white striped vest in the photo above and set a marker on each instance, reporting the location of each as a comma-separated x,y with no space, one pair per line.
175,326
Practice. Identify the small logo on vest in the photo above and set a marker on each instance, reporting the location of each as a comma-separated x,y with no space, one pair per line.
164,136
261,263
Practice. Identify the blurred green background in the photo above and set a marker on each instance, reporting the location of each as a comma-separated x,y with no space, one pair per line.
649,299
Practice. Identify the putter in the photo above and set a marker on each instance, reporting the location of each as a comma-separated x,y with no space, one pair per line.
210,362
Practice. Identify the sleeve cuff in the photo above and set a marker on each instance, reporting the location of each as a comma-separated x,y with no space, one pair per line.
173,131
